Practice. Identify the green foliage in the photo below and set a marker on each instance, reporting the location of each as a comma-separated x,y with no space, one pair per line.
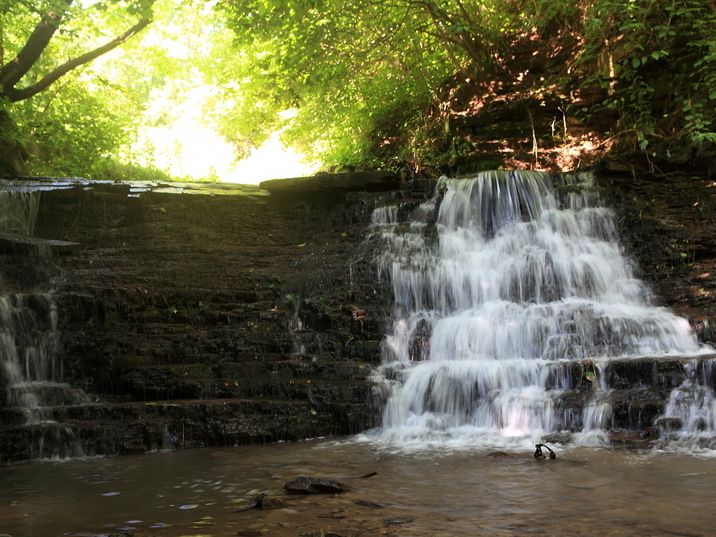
70,128
368,72
348,68
362,79
109,169
664,65
63,120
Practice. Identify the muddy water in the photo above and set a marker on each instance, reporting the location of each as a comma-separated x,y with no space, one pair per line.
201,492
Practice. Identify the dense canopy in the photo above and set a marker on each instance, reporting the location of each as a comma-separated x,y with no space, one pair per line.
105,87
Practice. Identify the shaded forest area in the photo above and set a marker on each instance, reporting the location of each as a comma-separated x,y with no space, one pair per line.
412,85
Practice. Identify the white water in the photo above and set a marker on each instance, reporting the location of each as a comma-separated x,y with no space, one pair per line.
525,277
31,367
689,418
30,362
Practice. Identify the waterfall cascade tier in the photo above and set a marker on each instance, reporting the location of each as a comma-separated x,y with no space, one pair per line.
514,305
31,367
31,376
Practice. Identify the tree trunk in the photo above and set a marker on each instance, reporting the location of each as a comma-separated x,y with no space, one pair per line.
12,153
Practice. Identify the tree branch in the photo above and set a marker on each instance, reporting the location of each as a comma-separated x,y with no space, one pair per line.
14,70
25,93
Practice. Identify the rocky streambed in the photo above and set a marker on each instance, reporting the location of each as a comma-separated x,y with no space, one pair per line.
206,492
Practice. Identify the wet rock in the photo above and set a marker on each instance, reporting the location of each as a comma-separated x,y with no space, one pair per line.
398,521
314,485
321,533
420,342
271,502
557,438
263,501
628,439
176,315
347,181
500,455
369,505
668,424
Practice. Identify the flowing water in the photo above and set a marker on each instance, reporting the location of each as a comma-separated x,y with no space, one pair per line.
502,282
31,367
584,491
18,211
689,418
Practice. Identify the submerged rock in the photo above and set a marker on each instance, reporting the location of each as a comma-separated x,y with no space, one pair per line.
369,504
263,501
314,485
321,533
398,521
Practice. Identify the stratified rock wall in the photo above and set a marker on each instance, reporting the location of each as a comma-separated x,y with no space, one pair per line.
193,319
197,320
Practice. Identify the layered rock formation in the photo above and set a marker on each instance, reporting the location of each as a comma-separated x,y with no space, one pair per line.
203,316
194,316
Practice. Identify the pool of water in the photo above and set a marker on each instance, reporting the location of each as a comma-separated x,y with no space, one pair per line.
585,491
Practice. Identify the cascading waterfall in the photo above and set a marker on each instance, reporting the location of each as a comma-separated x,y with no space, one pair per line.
18,211
29,352
690,415
523,279
31,367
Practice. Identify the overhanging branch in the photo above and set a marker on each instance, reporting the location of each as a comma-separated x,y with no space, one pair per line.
25,93
14,70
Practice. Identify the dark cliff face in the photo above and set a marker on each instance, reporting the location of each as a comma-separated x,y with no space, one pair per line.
194,320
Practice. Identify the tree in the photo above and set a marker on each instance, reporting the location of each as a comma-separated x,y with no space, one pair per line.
365,74
30,64
51,16
346,68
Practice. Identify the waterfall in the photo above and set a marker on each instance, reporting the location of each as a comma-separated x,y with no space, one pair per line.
31,367
29,354
18,211
689,418
520,279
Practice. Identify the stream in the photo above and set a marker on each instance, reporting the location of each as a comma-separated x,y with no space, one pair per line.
585,491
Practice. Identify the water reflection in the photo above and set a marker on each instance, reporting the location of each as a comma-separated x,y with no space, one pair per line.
201,492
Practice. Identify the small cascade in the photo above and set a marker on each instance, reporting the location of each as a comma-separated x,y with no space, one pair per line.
689,419
18,211
295,328
598,413
518,283
33,373
31,368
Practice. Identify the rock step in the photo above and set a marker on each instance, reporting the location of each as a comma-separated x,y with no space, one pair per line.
130,428
285,378
637,389
22,245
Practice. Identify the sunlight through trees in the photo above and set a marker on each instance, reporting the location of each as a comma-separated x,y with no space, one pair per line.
187,89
